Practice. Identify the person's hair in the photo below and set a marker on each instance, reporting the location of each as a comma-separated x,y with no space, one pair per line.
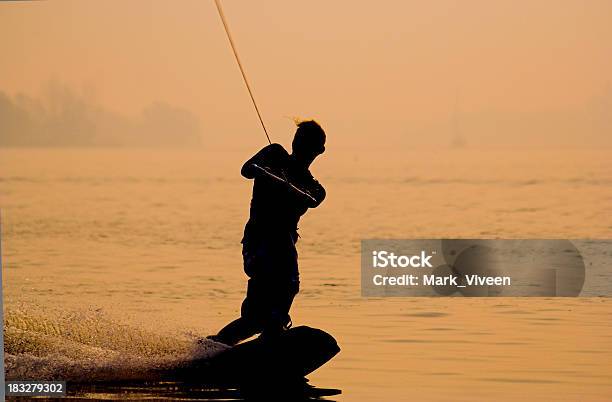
309,136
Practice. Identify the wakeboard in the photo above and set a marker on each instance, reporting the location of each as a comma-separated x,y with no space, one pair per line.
293,354
288,357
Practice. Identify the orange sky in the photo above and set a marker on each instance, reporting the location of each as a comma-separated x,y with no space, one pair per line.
393,71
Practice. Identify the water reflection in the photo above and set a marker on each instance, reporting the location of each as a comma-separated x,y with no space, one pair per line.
169,391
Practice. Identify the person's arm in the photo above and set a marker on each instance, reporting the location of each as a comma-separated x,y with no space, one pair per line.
267,157
318,194
311,193
283,180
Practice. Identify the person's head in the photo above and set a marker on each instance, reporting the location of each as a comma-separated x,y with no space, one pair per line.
309,141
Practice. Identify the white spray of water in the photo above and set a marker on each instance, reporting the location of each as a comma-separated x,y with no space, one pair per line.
89,346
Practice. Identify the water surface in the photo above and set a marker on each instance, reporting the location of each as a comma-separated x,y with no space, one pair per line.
116,261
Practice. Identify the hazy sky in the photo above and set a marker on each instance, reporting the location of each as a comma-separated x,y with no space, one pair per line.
392,72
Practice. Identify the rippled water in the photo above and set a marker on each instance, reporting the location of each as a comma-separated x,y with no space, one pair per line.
116,261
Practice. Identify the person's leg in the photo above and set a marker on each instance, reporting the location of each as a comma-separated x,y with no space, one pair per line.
283,285
280,296
274,283
249,322
236,331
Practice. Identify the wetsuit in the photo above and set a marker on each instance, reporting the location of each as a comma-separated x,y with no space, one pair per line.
268,246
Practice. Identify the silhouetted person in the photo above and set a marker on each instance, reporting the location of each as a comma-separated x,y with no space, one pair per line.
268,246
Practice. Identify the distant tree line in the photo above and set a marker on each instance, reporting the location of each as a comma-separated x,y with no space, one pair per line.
63,118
